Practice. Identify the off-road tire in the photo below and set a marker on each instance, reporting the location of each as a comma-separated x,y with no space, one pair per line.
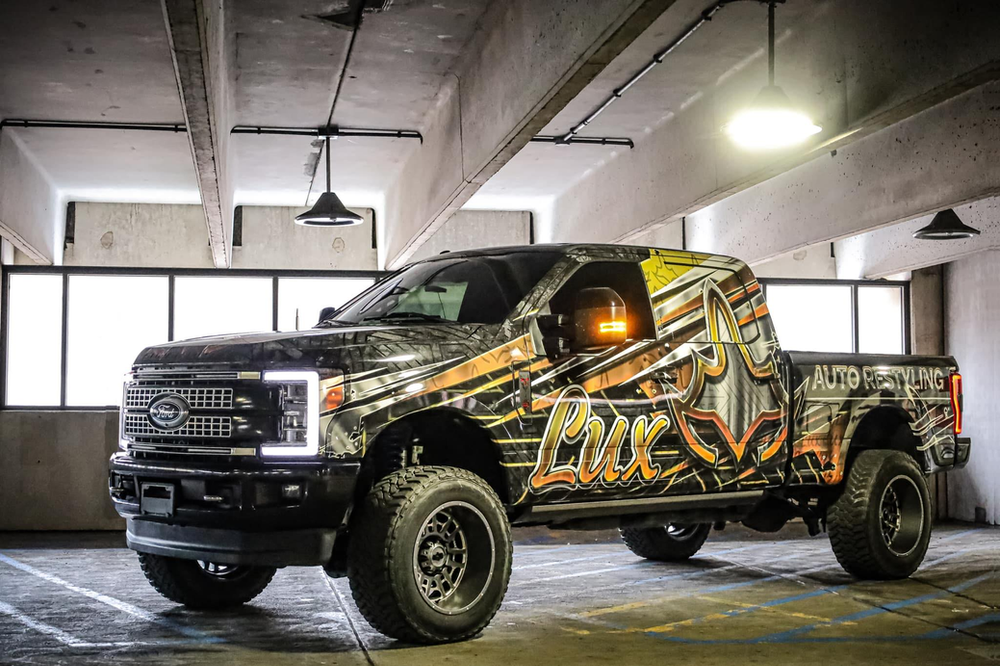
383,563
667,543
186,582
855,519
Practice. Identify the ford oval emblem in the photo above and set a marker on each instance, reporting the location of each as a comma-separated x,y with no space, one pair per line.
168,411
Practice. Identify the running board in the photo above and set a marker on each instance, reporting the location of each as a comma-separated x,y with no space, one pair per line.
621,507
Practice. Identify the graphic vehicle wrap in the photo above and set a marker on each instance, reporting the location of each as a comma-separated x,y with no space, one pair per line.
706,402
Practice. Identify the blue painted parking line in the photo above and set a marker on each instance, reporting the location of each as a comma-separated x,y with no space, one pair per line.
783,636
945,632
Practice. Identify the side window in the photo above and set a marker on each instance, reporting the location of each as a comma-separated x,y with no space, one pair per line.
678,292
624,277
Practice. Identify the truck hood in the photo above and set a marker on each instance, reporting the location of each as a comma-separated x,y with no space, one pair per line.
346,347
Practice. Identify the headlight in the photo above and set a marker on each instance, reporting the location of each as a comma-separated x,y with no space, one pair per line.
300,405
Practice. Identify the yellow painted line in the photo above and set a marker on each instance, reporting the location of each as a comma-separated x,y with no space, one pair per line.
518,441
521,464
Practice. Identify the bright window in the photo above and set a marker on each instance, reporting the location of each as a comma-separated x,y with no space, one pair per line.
812,317
104,333
34,343
301,299
880,320
218,305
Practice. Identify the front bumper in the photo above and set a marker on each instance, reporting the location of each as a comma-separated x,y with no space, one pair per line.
230,514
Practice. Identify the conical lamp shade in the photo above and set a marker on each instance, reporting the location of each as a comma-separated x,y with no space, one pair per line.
328,211
946,225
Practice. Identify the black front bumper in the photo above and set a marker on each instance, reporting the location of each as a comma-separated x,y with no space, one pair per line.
234,514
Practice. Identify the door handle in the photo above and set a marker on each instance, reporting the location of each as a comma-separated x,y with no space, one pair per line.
665,376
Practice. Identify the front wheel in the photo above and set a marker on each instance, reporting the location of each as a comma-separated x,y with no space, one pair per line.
204,585
880,526
670,543
430,555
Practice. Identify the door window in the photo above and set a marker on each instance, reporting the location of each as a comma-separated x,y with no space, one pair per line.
625,277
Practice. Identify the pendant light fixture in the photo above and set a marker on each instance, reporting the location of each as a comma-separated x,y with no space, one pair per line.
771,121
329,210
946,225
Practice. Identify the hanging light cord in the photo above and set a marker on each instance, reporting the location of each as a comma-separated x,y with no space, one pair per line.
770,43
327,151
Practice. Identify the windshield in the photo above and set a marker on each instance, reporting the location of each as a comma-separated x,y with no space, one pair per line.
469,290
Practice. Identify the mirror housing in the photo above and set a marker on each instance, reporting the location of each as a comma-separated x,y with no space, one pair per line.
599,319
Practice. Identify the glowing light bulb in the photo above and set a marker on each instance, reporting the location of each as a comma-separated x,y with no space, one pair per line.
770,123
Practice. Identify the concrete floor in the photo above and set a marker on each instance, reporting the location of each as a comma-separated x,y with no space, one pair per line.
745,598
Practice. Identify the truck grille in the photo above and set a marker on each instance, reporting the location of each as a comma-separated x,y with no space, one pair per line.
216,427
139,396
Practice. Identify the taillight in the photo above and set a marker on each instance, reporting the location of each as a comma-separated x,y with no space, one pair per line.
956,401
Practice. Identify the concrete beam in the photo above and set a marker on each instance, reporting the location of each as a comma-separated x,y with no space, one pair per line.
200,47
931,161
526,62
31,208
476,229
859,87
894,249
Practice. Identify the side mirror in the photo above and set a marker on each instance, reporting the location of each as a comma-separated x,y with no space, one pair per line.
326,313
599,319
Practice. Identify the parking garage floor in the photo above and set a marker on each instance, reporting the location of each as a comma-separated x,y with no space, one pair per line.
573,598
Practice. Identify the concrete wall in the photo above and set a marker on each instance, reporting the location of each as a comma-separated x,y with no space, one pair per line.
474,229
31,215
54,469
972,307
174,236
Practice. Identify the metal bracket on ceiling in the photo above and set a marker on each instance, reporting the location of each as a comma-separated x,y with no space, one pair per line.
583,140
332,131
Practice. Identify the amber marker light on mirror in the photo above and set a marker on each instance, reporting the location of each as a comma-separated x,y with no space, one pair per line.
956,401
612,327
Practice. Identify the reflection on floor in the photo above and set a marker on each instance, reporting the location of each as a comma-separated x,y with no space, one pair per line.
573,599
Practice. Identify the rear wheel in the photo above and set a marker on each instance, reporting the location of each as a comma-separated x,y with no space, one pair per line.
880,526
671,543
430,555
207,585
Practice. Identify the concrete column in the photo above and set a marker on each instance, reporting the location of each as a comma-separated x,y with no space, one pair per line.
972,307
927,337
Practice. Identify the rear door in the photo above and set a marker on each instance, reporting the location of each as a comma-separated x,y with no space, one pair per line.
723,373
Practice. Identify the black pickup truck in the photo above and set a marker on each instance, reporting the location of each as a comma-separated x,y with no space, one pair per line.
578,386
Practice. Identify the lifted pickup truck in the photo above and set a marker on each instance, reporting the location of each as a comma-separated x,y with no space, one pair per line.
578,386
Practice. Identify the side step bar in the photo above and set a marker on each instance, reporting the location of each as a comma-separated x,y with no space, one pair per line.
621,507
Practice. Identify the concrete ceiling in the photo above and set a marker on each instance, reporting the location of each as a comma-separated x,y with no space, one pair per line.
722,47
109,60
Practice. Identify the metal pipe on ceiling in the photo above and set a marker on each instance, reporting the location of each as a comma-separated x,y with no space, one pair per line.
617,93
239,129
583,140
333,132
75,124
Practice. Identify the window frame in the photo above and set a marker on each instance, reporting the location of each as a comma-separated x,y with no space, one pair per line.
855,286
170,273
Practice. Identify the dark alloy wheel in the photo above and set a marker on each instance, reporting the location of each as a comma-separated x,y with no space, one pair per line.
670,543
430,555
880,526
206,585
